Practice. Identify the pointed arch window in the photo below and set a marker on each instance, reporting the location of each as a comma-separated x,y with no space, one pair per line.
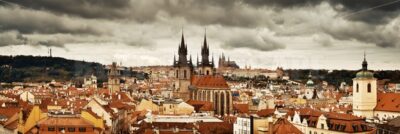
369,87
357,87
177,73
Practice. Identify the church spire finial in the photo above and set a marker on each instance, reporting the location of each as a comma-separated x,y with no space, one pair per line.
365,63
205,37
182,39
174,59
212,59
364,56
197,59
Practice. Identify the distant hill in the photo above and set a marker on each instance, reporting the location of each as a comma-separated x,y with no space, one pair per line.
45,69
335,77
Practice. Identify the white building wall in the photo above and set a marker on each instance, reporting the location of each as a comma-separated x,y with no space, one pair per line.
386,115
242,126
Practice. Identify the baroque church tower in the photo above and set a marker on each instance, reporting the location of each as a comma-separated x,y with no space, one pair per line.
364,92
113,79
183,71
205,67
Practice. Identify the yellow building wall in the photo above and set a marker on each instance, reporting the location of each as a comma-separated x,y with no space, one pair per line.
98,123
35,116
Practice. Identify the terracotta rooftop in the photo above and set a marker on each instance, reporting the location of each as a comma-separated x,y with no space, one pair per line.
388,102
283,126
241,108
266,112
209,81
201,105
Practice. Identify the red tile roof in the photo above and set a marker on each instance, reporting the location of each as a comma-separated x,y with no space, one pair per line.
388,102
283,126
210,81
201,105
241,108
266,112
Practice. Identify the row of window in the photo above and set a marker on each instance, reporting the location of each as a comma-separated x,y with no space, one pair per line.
184,74
368,88
69,129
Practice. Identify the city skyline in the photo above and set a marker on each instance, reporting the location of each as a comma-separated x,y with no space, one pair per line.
319,34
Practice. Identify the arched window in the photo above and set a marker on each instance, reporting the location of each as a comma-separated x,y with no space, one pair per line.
369,87
357,88
177,73
208,72
184,74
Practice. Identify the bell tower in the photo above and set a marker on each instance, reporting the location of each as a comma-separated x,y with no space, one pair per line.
113,78
364,92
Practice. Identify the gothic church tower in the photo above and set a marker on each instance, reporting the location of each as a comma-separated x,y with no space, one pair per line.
205,67
183,72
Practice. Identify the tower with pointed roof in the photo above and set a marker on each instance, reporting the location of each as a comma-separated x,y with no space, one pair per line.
183,71
113,78
205,67
364,92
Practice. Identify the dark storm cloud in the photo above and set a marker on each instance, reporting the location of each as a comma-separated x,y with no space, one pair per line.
283,3
369,11
381,36
252,41
31,21
83,8
12,38
76,17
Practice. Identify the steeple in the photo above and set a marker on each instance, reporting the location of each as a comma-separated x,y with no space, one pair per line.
174,59
205,40
182,52
205,51
190,61
364,63
197,59
182,47
212,60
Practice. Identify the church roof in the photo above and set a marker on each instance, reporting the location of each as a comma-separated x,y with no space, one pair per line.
209,81
388,102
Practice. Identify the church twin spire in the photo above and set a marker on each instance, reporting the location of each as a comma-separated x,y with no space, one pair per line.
182,53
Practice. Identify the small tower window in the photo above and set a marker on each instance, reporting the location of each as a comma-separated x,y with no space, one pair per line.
184,74
369,87
357,87
177,73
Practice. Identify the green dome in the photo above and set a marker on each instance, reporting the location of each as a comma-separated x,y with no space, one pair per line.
365,74
310,83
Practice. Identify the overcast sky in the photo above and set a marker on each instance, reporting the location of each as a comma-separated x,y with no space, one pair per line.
329,34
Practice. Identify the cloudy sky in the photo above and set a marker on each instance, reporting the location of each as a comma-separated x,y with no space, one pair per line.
330,34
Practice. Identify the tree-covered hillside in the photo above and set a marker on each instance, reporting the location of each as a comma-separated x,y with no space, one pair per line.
335,77
44,69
